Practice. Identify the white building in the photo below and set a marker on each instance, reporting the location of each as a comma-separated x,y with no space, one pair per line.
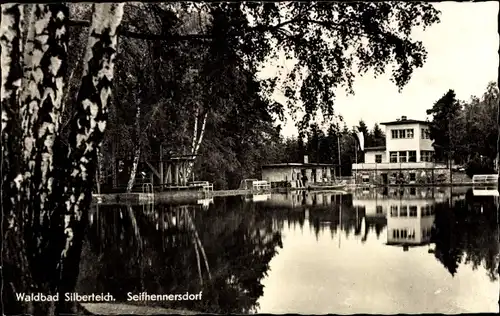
408,156
406,141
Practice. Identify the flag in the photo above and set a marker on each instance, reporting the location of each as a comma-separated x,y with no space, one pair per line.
360,139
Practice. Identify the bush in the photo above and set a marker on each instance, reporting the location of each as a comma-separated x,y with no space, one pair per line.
479,166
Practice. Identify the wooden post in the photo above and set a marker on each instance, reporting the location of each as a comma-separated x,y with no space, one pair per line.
176,177
184,172
168,177
162,177
115,173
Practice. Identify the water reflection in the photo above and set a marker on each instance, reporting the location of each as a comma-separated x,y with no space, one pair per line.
291,252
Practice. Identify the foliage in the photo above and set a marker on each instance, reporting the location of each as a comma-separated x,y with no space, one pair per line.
227,43
331,41
323,146
471,134
445,113
467,233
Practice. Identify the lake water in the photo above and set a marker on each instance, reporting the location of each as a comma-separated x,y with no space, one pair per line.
385,251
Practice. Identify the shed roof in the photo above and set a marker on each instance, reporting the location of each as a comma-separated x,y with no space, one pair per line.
297,164
375,148
406,121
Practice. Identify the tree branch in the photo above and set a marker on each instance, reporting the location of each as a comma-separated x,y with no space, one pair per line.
151,37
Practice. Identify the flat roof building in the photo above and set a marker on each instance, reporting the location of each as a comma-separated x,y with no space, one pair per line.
297,175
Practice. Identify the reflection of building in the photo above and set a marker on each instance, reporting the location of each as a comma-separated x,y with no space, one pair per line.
407,157
303,199
292,174
410,223
409,212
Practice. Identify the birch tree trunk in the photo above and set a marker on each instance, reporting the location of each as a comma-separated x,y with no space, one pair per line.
197,139
86,136
98,173
195,130
15,275
32,103
137,150
41,108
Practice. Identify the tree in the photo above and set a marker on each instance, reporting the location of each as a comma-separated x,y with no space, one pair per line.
46,189
243,37
333,143
378,136
444,119
478,132
329,47
367,139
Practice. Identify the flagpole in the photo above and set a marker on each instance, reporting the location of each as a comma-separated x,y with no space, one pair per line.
356,158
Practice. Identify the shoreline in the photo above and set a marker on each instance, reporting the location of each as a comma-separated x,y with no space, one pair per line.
131,309
180,197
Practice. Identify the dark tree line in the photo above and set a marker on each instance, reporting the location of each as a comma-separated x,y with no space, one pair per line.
325,145
465,132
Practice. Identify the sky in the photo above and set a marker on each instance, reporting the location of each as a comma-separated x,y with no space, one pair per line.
462,55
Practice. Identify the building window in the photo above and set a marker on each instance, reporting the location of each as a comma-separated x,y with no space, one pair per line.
403,133
393,156
404,233
411,235
394,210
412,156
413,211
409,133
379,209
378,158
366,178
413,191
423,210
402,156
425,133
403,211
413,177
426,155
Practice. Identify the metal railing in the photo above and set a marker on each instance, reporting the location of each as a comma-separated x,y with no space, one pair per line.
205,185
261,185
485,179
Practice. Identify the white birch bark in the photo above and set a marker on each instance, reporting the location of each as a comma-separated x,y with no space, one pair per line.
88,129
137,151
197,139
198,241
195,130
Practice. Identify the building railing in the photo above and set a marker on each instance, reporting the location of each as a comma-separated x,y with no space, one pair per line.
261,185
396,165
204,185
485,179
